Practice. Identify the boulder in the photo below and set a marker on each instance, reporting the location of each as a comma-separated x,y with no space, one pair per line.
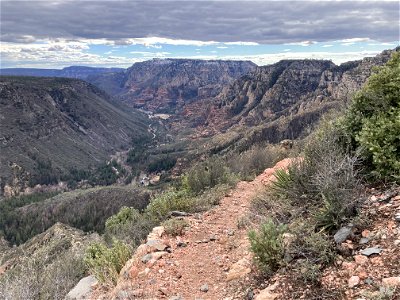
83,289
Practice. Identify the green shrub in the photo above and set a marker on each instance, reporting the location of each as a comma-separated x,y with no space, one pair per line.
160,206
325,180
379,138
124,216
207,175
129,225
175,226
267,246
373,121
106,263
254,161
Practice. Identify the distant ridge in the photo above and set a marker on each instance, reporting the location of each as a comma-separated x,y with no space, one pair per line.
80,72
166,85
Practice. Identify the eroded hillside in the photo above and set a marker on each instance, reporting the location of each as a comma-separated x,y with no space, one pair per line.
59,124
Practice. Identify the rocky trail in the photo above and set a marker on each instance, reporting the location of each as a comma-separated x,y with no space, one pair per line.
210,261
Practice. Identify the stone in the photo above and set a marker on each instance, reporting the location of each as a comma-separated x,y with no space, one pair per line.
181,244
133,272
176,213
343,234
231,232
83,289
371,251
360,259
204,288
365,233
353,281
163,291
156,245
144,272
146,258
363,241
391,281
239,270
156,233
176,298
213,238
158,255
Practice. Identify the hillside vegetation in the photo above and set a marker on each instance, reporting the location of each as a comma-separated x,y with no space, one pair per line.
50,126
24,217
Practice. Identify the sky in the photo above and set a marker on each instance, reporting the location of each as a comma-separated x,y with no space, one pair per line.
118,33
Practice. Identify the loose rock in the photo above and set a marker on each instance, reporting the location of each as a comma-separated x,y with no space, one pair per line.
354,281
370,251
204,288
343,234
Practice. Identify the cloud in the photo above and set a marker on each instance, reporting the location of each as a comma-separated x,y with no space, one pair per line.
337,58
327,46
303,43
242,43
199,23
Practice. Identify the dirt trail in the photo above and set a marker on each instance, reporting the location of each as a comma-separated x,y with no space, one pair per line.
207,262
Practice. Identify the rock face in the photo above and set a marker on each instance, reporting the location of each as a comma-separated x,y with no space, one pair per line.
165,85
280,101
295,86
62,122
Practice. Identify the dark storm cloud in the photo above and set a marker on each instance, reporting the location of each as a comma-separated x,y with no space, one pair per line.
222,21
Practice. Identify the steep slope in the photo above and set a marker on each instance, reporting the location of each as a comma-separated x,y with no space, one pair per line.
45,267
86,209
79,72
294,86
61,124
275,102
165,85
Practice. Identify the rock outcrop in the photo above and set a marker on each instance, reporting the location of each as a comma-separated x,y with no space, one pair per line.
166,85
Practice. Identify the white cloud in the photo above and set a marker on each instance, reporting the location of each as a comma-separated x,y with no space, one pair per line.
303,43
151,54
222,47
242,43
327,46
355,40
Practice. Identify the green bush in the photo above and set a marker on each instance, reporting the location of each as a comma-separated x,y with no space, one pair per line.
160,206
324,181
267,246
129,225
379,138
175,226
373,121
106,263
254,161
207,175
